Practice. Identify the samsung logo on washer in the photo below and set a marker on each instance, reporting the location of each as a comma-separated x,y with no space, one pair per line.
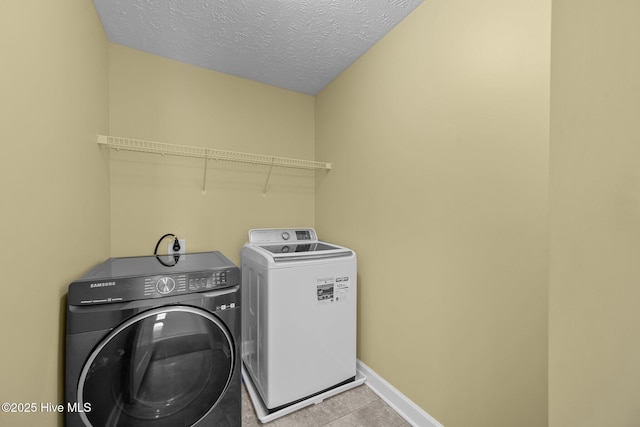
102,284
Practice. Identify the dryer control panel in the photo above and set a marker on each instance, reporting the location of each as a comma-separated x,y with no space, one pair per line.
120,280
184,283
136,288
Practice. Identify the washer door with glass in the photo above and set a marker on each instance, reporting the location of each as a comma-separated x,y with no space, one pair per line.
164,367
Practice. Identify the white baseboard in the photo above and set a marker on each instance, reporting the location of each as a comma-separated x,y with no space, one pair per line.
400,403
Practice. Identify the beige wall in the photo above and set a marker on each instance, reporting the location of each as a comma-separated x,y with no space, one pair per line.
594,315
162,100
439,138
55,189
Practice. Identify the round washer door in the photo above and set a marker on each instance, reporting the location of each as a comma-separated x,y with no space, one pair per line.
168,366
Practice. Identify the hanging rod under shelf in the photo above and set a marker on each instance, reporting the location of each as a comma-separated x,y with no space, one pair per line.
139,145
142,146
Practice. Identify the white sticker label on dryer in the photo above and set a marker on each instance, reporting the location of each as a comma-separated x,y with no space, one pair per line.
332,289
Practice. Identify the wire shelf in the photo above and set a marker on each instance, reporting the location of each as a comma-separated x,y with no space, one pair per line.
143,146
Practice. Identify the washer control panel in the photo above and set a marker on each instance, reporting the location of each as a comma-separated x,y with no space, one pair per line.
266,236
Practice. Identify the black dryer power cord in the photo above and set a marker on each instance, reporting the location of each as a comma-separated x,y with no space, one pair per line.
176,249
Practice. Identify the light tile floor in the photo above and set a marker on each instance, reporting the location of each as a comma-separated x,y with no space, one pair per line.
358,407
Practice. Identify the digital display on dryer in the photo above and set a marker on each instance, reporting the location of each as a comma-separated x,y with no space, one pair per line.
198,282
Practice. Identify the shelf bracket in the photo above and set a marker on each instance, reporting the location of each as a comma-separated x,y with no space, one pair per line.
204,179
266,184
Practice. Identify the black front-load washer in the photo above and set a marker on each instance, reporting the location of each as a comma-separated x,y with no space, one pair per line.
154,341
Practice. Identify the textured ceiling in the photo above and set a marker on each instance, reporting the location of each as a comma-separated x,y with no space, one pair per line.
300,45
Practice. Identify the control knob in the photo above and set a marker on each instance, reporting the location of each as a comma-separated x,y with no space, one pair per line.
286,235
165,285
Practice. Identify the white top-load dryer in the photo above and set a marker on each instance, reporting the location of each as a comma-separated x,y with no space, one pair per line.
298,315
